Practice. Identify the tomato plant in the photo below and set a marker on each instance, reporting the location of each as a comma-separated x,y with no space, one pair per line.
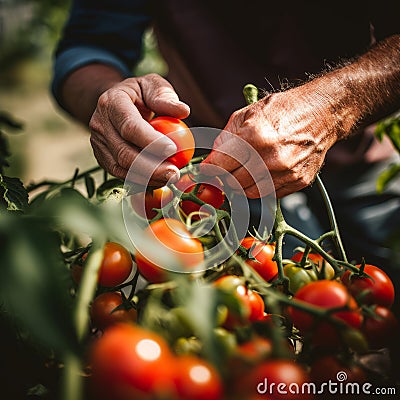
145,203
180,134
106,310
262,253
173,236
128,359
325,295
196,379
251,304
377,288
211,192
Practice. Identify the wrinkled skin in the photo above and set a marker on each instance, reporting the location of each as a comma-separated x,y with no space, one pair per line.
121,118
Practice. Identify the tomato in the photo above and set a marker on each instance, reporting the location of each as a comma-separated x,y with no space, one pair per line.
263,254
115,267
196,379
298,276
328,367
104,312
318,261
325,295
144,203
274,380
378,290
180,134
174,238
255,350
381,329
251,303
128,360
211,192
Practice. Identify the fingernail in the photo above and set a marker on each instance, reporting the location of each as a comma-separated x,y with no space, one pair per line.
172,176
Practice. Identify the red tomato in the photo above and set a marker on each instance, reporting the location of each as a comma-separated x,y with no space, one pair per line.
255,350
327,367
196,379
382,329
115,267
180,134
314,257
326,295
319,262
144,203
210,192
174,237
104,312
128,360
378,290
250,302
263,381
263,253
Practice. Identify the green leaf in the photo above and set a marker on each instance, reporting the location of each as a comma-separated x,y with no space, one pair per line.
109,188
386,177
391,128
90,185
38,390
13,195
35,283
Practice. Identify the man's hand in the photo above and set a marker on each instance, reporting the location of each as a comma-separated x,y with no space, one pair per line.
120,129
291,131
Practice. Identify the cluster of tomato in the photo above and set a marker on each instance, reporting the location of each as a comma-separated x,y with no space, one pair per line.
305,328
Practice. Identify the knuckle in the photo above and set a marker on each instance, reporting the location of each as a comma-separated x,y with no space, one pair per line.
104,100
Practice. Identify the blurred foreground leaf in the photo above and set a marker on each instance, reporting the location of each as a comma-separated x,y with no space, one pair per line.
387,176
35,283
391,128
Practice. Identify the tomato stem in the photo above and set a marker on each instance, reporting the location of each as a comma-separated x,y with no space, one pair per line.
332,218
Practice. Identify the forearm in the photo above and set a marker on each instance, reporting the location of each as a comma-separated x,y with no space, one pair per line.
363,91
83,87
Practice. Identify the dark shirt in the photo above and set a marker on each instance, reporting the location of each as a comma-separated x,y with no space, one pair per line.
214,47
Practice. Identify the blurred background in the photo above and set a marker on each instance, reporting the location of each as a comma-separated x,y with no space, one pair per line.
50,145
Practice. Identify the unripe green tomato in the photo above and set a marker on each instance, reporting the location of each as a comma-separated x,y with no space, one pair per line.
190,345
182,323
226,341
298,276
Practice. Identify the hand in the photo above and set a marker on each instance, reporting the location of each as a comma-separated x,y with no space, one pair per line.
291,131
120,129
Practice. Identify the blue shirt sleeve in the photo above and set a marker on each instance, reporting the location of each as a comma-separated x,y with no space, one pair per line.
102,31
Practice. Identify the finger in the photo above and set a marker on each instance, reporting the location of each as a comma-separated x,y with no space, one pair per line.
293,187
126,119
240,176
148,170
107,161
228,155
262,188
141,163
160,97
